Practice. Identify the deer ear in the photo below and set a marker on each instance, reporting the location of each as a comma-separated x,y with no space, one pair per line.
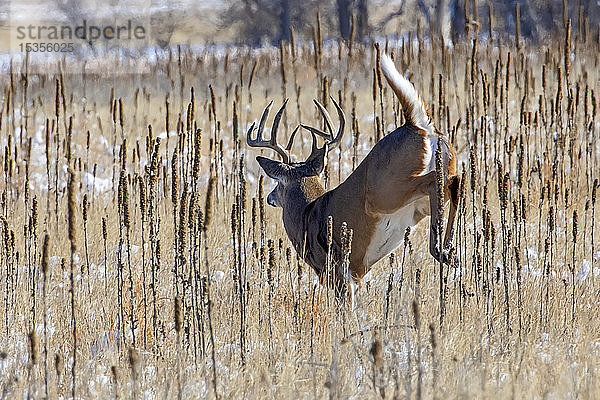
274,169
316,161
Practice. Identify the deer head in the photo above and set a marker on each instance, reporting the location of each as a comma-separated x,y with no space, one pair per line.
290,174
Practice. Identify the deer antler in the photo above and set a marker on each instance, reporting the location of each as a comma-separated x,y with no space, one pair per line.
271,143
332,142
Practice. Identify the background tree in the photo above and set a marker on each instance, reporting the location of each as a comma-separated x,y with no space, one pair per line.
343,11
258,21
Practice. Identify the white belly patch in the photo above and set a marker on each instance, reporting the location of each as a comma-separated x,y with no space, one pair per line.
390,230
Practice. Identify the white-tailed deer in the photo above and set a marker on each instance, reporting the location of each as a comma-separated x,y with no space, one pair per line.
393,188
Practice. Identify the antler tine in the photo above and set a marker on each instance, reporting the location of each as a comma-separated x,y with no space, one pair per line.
291,139
263,119
327,118
314,148
314,143
272,142
328,124
338,138
332,141
258,142
276,123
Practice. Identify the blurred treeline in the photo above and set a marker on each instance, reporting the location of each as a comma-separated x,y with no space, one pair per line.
258,21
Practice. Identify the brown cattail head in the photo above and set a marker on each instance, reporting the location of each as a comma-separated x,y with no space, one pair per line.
69,139
243,189
252,73
213,102
193,210
142,186
177,314
209,203
33,343
115,373
282,59
544,73
378,66
104,228
329,230
293,44
348,244
374,86
183,209
474,62
574,226
72,209
34,215
114,111
473,169
133,361
271,262
261,198
125,200
234,219
85,208
59,365
45,257
432,337
377,350
197,153
253,213
567,55
121,115
415,310
123,155
174,178
150,138
518,258
188,120
57,100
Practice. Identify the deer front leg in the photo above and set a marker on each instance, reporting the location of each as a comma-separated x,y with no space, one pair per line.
435,242
428,186
453,189
442,251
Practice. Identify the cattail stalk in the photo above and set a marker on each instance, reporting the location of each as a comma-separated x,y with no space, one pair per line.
45,262
417,318
438,226
104,238
207,220
178,323
143,205
573,268
72,239
87,257
127,223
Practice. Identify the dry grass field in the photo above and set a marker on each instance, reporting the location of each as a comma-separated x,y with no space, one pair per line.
139,259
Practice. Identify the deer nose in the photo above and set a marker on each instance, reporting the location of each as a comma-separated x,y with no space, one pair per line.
271,200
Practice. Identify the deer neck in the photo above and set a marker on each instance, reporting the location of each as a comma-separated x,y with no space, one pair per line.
298,196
